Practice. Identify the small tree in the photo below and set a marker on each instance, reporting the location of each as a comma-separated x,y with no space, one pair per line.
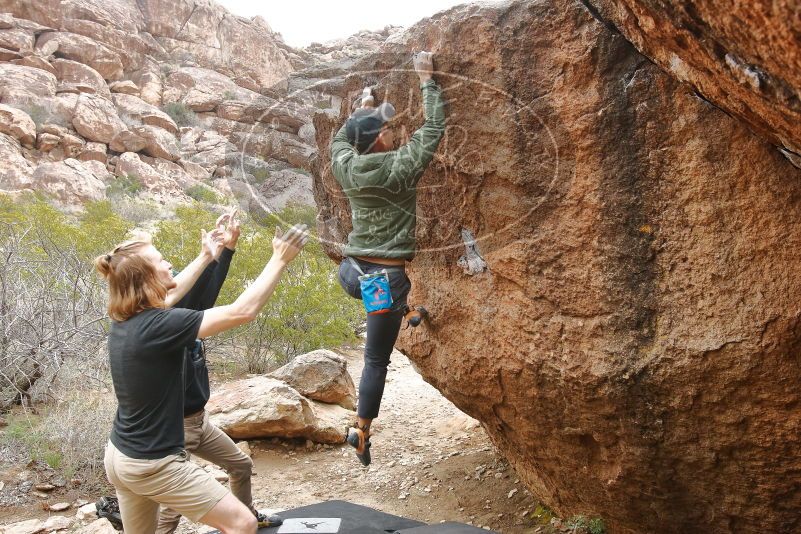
52,305
308,309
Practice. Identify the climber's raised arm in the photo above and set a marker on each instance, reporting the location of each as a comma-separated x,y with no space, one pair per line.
412,158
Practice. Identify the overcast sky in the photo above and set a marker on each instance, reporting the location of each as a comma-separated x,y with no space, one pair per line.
301,22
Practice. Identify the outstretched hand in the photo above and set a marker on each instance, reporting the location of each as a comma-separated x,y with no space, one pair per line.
211,242
228,226
424,65
286,246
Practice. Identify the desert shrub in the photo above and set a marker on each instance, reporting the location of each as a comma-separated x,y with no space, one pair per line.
229,95
203,193
126,185
180,113
308,309
52,305
139,211
69,436
260,175
580,524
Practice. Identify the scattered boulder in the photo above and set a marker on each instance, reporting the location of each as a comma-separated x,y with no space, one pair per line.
285,116
126,87
17,39
131,164
286,186
233,110
9,55
93,151
69,181
25,85
83,50
203,89
320,375
206,148
96,119
159,143
194,170
80,75
139,110
244,446
72,144
16,172
99,169
47,142
37,62
262,407
87,512
38,526
151,87
18,125
101,526
6,21
172,170
127,141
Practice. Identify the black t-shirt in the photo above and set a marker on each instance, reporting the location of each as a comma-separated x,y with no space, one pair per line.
146,354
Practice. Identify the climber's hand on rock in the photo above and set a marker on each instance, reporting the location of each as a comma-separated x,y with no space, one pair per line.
424,65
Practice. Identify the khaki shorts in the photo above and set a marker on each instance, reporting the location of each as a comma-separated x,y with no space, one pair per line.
171,481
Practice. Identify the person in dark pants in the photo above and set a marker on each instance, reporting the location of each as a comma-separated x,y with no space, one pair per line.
381,186
201,437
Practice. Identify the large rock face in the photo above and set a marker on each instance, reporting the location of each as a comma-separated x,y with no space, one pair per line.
743,56
128,31
134,75
624,318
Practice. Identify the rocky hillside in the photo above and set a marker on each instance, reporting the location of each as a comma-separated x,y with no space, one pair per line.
608,249
173,99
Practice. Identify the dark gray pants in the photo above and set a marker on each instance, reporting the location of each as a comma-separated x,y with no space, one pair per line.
382,331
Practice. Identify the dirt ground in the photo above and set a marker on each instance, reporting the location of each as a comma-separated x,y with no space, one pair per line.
431,462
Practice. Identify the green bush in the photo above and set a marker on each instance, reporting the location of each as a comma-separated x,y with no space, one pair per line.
69,437
308,310
180,113
260,175
583,524
125,185
202,193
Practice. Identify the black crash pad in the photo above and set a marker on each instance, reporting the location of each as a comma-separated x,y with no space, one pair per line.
356,519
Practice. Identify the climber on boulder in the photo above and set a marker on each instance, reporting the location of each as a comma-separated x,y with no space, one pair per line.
381,185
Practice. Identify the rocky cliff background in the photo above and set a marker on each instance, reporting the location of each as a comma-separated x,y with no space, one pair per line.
608,244
173,100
